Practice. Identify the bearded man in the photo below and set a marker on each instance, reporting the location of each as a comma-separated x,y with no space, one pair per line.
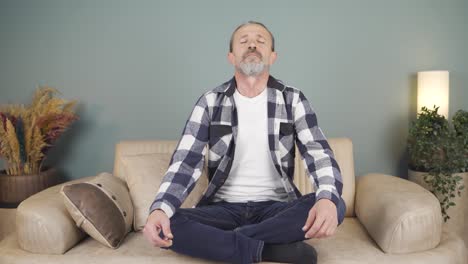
251,210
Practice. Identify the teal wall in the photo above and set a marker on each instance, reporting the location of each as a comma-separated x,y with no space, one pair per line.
137,67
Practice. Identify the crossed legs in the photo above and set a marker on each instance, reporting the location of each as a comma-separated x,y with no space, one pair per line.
217,231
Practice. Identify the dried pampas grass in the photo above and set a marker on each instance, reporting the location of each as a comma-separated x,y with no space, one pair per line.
27,133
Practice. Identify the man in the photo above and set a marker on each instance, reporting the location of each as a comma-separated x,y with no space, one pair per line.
251,210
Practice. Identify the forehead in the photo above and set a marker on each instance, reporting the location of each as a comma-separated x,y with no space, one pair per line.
252,29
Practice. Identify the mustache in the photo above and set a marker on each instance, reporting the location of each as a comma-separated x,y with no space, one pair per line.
252,52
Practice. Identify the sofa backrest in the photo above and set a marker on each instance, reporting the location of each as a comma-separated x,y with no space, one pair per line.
342,148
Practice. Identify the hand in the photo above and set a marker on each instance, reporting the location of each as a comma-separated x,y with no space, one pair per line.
156,221
322,220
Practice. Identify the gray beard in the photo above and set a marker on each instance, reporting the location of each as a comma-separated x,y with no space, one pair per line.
252,69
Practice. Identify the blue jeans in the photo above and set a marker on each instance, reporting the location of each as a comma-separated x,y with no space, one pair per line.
237,232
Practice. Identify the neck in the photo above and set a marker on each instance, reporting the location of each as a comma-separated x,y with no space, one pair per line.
251,86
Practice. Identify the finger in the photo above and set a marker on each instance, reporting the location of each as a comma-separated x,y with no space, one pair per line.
166,227
160,241
315,227
310,219
163,242
154,237
332,226
323,229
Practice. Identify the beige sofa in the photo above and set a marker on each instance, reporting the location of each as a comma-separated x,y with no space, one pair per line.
388,220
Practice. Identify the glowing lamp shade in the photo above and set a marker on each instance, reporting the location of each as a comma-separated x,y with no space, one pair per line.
433,89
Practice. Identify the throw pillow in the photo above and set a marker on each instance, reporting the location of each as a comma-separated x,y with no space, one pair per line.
144,174
101,207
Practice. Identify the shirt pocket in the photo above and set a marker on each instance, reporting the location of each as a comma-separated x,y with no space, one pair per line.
220,136
218,131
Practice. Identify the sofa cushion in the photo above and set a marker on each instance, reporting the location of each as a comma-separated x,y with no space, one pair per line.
350,245
101,207
144,174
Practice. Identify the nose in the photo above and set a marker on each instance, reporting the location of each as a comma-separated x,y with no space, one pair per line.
252,45
252,48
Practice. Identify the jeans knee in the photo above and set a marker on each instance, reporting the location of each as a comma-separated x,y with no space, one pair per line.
178,217
177,220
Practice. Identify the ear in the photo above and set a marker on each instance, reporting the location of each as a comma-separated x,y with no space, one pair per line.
273,56
231,58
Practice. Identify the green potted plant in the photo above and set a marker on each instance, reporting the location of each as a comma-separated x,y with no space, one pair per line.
460,125
26,135
438,158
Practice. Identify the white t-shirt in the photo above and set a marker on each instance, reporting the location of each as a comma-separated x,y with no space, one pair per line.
253,176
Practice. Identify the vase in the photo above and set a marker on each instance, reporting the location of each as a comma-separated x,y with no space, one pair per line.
456,223
16,188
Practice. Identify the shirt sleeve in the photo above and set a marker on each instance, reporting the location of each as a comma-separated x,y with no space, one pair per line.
318,157
186,164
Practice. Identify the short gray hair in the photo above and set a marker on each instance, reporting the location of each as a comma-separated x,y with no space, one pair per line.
252,23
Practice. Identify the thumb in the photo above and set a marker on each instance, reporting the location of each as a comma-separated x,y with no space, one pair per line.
166,227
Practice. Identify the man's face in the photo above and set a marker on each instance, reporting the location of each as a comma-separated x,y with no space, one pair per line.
251,50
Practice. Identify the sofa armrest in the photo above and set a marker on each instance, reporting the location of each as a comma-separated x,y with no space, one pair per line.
43,224
401,216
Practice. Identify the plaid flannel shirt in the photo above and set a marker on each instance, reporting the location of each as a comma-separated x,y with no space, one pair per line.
213,122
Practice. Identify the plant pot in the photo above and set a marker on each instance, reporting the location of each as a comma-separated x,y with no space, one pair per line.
457,213
16,188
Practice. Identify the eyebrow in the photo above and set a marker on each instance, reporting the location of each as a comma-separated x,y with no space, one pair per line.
246,35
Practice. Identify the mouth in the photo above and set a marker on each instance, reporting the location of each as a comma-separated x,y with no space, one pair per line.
253,54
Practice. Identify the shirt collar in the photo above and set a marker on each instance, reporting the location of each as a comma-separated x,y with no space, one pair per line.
229,87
